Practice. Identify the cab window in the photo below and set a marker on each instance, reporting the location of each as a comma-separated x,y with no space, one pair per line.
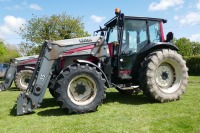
135,35
112,37
154,31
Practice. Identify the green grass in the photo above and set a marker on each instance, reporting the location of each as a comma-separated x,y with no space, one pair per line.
119,113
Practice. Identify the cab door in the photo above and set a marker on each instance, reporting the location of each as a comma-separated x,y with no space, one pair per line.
134,38
122,51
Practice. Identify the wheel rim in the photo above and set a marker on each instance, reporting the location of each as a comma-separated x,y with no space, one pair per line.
24,80
82,90
168,76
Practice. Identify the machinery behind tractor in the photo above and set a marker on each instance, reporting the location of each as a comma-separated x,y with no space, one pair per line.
130,52
19,71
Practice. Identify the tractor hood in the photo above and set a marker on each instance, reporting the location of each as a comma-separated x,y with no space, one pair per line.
74,41
21,59
26,58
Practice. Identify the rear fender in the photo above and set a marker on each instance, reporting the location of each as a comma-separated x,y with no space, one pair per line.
159,45
103,74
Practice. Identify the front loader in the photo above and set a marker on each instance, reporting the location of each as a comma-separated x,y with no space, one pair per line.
130,52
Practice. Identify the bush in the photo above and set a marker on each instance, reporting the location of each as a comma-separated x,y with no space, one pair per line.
193,63
185,47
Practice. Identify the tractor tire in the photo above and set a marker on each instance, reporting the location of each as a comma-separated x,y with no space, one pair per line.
22,79
163,75
51,87
80,88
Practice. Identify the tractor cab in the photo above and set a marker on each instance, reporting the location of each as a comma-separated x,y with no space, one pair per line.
127,36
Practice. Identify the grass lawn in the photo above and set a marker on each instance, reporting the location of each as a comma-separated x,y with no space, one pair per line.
119,113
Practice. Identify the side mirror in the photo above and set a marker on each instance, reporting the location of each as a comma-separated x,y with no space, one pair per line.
169,37
102,33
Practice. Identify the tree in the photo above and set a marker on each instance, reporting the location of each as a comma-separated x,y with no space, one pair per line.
195,48
25,48
7,51
55,27
11,52
2,49
184,45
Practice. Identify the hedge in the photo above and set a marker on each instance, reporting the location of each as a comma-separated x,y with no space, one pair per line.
193,63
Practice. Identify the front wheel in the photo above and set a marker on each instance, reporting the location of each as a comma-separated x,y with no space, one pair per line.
164,75
80,89
51,87
22,79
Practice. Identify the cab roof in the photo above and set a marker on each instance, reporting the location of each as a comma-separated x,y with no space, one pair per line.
113,20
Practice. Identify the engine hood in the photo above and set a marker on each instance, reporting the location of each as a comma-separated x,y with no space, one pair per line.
26,58
74,41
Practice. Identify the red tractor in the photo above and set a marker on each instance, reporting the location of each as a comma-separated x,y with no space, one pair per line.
130,52
20,71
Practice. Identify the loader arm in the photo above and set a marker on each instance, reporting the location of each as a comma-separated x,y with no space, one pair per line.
8,77
33,97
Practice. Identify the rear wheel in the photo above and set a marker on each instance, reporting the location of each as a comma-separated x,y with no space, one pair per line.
163,75
80,89
22,79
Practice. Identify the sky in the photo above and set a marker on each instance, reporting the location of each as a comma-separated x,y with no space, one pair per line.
183,15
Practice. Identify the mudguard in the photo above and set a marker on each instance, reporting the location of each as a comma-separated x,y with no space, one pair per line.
159,45
104,75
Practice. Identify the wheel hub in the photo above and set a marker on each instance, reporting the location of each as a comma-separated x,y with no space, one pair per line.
164,75
80,89
27,80
168,76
